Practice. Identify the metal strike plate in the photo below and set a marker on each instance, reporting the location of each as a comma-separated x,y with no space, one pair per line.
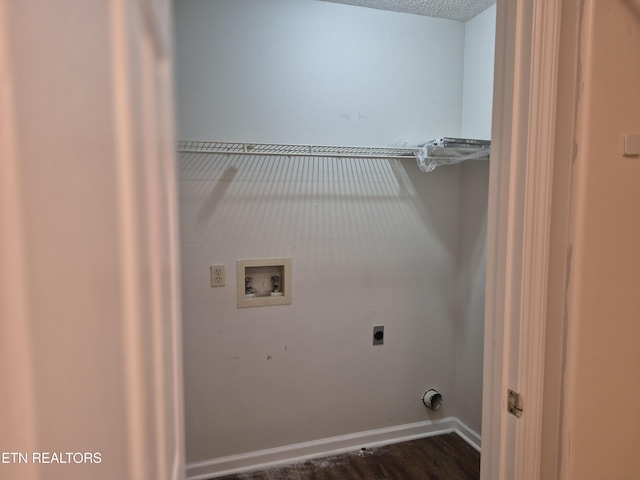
514,403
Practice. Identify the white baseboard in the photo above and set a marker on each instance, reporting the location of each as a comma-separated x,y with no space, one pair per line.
470,436
301,452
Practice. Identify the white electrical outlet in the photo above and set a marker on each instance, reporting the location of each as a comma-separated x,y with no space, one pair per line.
217,275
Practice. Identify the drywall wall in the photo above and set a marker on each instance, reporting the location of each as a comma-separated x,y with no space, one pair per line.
469,332
600,438
68,314
372,241
476,123
89,289
477,93
303,71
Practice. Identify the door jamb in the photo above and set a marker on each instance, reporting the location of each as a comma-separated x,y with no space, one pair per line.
523,138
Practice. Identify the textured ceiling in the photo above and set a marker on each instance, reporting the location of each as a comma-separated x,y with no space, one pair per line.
461,10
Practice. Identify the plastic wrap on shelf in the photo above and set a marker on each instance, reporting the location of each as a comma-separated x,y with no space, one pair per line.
458,142
430,157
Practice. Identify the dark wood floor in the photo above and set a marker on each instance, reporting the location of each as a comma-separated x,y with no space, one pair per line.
444,457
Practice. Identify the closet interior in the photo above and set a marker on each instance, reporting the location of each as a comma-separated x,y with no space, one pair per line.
304,128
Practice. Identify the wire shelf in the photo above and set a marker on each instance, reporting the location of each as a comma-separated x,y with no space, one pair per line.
193,146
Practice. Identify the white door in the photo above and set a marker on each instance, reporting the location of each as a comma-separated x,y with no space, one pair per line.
89,279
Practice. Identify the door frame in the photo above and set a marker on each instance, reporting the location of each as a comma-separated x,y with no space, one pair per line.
131,353
518,244
527,51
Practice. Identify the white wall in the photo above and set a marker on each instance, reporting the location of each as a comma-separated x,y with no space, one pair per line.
372,241
89,283
602,304
476,123
474,191
304,71
477,94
